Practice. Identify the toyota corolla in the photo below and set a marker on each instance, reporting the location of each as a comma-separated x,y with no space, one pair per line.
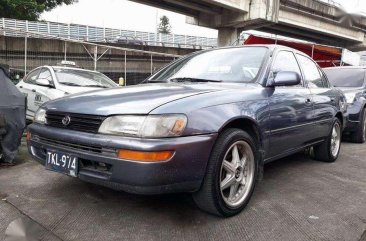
205,124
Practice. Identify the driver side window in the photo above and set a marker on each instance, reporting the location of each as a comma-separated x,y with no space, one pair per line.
46,74
285,61
32,77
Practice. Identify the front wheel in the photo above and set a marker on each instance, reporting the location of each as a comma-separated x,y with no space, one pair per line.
328,151
230,176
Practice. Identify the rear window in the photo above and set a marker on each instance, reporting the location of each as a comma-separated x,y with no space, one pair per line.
346,77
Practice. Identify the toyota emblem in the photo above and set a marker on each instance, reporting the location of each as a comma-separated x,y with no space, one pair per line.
66,120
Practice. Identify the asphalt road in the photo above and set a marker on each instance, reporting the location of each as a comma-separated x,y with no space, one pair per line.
299,199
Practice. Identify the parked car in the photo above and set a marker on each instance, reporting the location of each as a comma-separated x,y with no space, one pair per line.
351,80
51,82
203,124
127,40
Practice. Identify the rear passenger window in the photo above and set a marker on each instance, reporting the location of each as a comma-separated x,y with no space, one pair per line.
311,73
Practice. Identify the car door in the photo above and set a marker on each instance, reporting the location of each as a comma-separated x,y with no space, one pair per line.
28,87
43,93
324,97
291,109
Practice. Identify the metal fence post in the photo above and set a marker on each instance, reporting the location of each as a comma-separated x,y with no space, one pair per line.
25,53
3,21
125,68
65,48
151,64
87,33
69,31
95,57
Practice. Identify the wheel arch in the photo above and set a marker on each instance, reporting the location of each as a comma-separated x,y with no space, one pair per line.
247,124
339,115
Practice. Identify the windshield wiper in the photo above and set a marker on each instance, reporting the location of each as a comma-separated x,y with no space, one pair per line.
100,86
69,84
187,79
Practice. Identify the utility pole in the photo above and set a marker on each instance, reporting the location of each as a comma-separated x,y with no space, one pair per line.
95,57
156,25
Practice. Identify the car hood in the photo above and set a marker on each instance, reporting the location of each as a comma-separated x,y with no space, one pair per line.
351,90
140,99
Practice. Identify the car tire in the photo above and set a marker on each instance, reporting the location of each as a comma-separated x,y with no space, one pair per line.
329,150
359,136
230,175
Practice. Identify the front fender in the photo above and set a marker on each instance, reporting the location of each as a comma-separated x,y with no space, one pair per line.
212,119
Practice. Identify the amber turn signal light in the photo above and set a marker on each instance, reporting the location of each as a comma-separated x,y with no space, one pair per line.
141,156
29,135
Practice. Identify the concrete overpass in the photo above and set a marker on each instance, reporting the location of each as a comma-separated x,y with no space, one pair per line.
311,20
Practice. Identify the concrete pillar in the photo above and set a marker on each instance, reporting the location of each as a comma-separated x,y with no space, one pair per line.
227,36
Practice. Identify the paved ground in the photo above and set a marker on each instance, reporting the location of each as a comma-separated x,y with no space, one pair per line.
299,199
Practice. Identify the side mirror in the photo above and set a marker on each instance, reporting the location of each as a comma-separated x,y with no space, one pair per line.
286,78
43,82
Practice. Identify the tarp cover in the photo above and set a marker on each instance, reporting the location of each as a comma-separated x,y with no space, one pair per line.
325,56
12,107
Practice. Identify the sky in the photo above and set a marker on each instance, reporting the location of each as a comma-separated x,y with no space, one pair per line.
123,14
353,6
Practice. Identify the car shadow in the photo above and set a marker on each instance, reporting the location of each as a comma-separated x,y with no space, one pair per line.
178,208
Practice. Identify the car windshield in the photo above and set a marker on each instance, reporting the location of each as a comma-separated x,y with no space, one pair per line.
82,78
347,78
221,65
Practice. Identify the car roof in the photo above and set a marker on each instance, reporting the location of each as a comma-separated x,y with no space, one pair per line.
271,47
71,68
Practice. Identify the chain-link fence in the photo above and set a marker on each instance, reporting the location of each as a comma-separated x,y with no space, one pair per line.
24,51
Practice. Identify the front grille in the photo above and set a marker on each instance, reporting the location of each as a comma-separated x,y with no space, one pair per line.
78,122
74,146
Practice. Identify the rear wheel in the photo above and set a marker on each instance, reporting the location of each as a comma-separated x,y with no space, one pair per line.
359,136
328,151
231,173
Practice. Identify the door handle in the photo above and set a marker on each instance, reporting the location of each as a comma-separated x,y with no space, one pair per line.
332,99
21,87
308,101
33,90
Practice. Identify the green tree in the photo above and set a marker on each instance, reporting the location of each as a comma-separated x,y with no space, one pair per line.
164,26
28,9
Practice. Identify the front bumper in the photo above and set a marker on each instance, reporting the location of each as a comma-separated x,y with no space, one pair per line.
98,162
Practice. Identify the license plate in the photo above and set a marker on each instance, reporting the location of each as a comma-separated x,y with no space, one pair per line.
62,162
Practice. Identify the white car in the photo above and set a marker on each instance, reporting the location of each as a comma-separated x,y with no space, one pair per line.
51,82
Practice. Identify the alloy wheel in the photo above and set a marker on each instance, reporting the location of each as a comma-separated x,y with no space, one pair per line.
237,173
335,140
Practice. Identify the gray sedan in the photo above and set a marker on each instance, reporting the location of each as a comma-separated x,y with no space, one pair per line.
205,124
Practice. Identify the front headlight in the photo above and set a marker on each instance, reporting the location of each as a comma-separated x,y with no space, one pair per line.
40,116
151,126
350,97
